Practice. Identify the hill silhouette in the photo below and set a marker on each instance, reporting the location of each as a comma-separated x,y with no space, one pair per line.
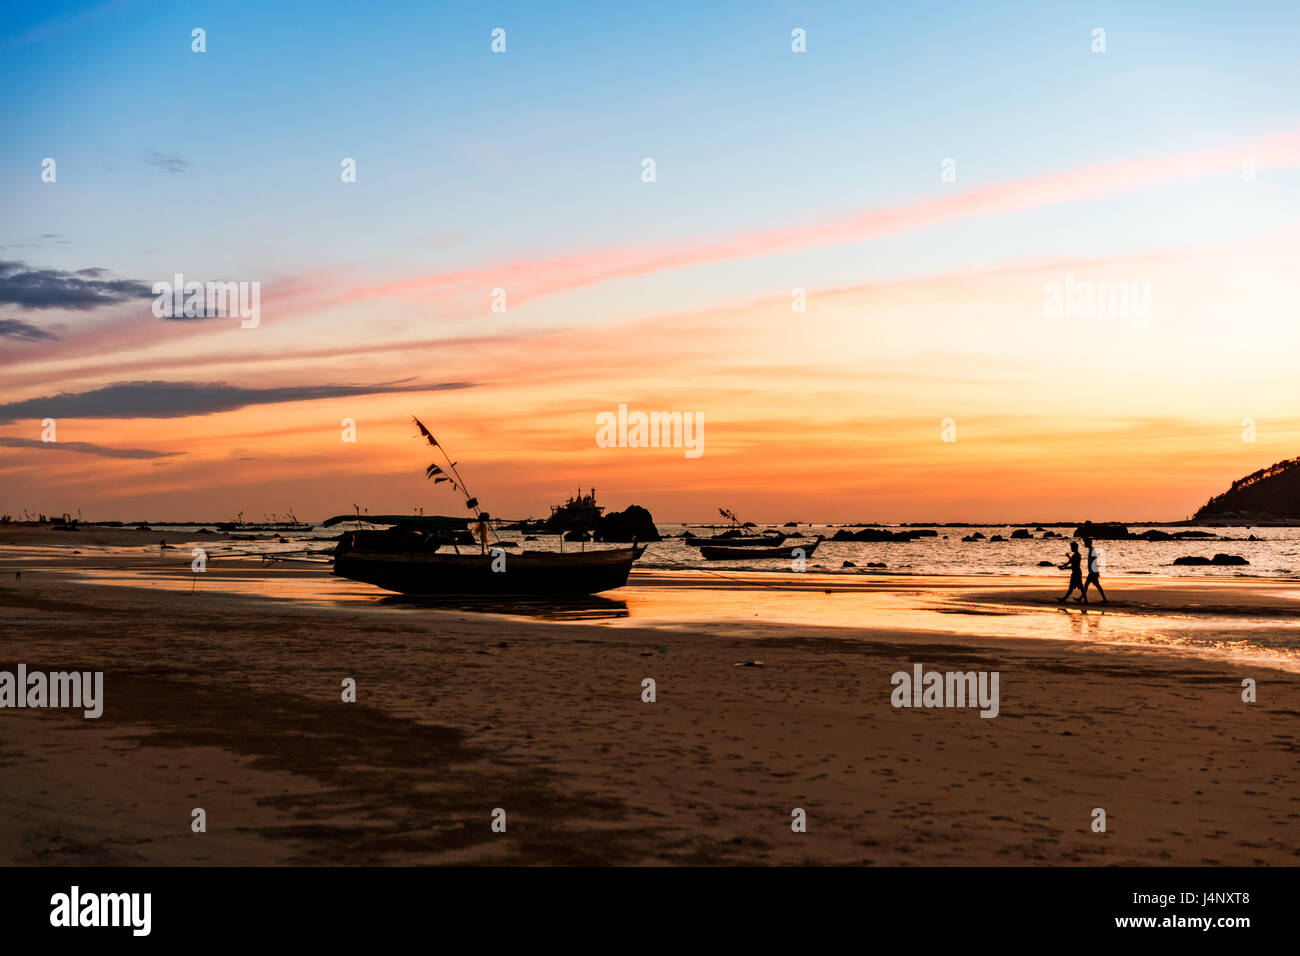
1272,492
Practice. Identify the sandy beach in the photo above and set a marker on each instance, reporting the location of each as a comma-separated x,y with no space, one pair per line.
231,701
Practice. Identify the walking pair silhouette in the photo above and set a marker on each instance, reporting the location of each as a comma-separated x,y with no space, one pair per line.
1077,582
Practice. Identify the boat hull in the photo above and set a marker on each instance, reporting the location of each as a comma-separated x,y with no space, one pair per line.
537,573
740,542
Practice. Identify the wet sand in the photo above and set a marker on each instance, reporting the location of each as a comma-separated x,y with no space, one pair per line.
31,535
230,702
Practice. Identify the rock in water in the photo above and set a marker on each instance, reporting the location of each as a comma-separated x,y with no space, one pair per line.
878,534
1103,531
622,526
1219,559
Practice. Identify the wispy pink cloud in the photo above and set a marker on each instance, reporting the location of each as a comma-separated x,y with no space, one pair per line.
528,279
465,292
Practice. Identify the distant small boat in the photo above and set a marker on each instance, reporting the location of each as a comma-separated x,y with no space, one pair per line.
719,553
577,514
747,541
738,536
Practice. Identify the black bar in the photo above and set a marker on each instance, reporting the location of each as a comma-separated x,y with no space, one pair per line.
489,905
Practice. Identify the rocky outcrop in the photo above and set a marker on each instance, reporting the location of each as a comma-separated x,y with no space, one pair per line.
1218,559
634,522
1157,535
1103,531
879,534
1109,531
1268,494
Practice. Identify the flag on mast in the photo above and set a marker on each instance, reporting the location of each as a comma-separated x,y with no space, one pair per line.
425,432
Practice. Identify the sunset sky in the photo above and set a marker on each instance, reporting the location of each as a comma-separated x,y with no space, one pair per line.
1171,160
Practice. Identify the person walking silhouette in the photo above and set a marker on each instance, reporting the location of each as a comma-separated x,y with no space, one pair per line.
1096,560
1076,576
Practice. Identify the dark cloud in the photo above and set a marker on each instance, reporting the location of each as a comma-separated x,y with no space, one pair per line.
29,288
18,329
171,162
182,399
85,448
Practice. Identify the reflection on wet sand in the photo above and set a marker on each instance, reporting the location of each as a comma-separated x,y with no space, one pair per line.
1243,620
566,608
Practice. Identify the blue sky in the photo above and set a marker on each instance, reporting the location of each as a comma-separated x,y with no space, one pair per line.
538,150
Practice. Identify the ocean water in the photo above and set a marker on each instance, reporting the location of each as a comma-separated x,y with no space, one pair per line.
1275,554
722,595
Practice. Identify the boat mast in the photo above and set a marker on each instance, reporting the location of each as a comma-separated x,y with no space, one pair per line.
450,473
